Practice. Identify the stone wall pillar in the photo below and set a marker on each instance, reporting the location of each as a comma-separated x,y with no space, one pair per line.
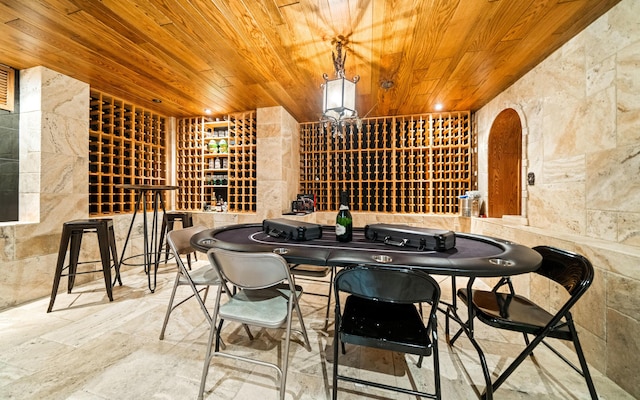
278,161
54,184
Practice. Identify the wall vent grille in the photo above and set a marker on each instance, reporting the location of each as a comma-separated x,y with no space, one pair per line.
7,87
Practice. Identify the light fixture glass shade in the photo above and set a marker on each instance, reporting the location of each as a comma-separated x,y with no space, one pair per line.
339,98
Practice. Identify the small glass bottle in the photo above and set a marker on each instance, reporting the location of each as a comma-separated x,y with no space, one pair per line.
344,221
475,207
213,146
222,146
219,204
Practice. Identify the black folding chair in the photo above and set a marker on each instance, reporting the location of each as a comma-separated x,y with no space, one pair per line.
381,312
513,312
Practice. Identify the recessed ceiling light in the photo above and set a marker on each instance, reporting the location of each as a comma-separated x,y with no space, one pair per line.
386,85
156,100
207,111
438,106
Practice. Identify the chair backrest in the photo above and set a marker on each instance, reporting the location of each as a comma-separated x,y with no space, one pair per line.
249,270
180,239
392,285
570,270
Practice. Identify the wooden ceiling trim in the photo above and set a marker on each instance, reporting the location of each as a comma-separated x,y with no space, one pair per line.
7,14
112,20
249,50
536,11
422,52
312,56
165,84
231,55
191,28
393,34
158,39
459,30
217,64
372,96
263,65
268,42
495,28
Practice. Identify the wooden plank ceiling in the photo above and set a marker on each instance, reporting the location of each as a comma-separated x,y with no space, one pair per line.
235,55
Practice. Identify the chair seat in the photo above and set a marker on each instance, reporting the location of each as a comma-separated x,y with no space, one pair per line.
512,312
261,307
390,326
204,275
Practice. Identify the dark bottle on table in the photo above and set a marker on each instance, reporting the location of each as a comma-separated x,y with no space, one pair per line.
344,221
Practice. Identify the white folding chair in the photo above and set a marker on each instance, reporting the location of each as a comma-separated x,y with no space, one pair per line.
198,280
265,296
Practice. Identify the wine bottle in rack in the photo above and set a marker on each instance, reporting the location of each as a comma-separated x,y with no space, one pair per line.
344,221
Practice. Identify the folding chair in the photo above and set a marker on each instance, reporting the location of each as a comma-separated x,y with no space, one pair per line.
513,312
198,280
266,297
381,312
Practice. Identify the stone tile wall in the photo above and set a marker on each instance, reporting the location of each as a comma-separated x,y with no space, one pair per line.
54,187
581,114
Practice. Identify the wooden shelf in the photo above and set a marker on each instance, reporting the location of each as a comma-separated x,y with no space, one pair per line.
404,164
195,162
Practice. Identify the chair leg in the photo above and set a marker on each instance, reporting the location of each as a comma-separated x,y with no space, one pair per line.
285,356
74,255
163,232
521,357
583,362
170,307
436,356
335,360
114,256
206,293
307,345
213,334
464,327
62,254
218,335
526,341
105,251
326,318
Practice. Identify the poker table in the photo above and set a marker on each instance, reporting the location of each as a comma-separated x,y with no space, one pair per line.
472,256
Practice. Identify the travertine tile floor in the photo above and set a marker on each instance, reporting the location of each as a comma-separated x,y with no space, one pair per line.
89,348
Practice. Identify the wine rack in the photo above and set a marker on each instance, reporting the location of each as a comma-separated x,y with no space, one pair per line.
189,163
201,179
401,164
243,162
127,145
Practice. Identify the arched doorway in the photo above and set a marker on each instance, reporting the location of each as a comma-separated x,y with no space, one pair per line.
505,161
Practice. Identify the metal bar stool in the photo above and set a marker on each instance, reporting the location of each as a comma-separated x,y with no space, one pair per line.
71,240
152,247
168,221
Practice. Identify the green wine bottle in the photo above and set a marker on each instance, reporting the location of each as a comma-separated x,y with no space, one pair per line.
344,221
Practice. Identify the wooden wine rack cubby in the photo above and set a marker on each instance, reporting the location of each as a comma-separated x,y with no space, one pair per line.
242,162
193,163
189,163
127,145
402,164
